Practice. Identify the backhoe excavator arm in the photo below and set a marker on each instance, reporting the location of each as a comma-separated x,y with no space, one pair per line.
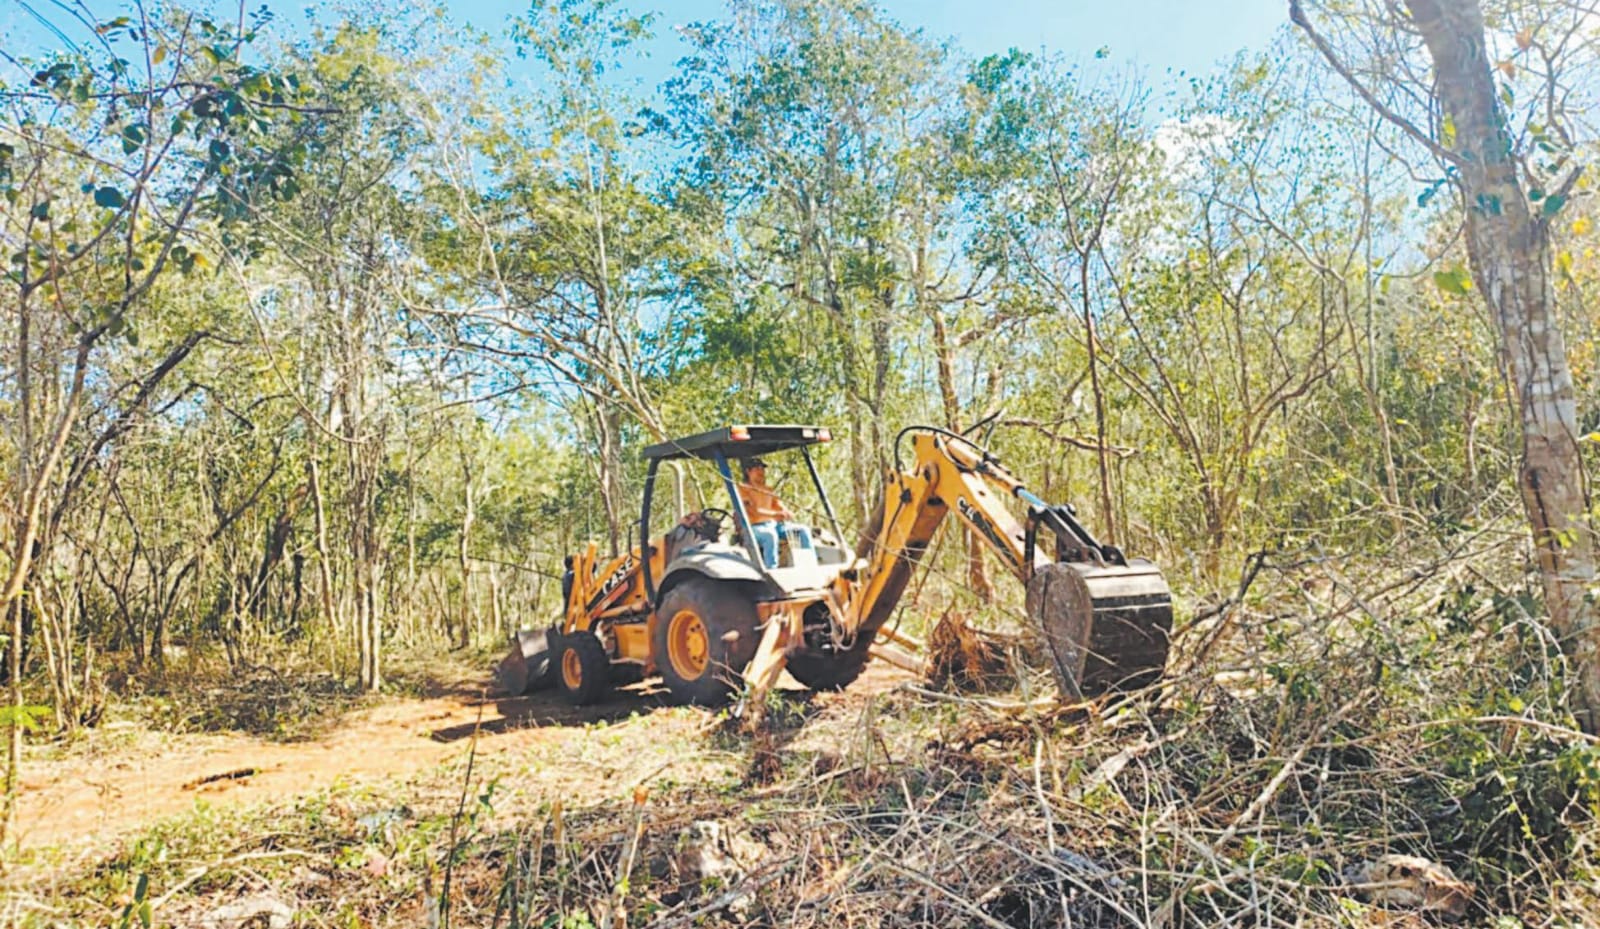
1105,619
947,473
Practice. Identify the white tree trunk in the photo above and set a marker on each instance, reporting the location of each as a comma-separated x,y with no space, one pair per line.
1508,247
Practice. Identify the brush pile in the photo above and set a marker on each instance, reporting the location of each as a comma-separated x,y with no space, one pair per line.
961,657
1382,751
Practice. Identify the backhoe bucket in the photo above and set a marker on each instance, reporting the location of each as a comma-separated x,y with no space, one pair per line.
527,667
1107,626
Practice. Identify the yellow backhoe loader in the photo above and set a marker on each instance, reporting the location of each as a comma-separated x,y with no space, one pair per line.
709,611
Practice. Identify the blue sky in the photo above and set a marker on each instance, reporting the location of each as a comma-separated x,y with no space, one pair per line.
1157,35
1186,35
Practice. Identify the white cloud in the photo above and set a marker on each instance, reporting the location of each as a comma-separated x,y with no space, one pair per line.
1188,145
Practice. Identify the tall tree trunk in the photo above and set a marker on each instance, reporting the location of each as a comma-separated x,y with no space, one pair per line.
324,568
496,616
883,356
860,497
272,552
608,422
365,450
411,541
56,631
1509,250
1108,519
469,514
364,442
977,576
296,591
14,735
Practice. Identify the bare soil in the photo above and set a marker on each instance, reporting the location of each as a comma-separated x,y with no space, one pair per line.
123,778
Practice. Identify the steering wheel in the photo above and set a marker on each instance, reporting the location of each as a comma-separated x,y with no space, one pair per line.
711,520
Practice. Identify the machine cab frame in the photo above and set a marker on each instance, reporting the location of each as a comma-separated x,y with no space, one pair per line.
720,446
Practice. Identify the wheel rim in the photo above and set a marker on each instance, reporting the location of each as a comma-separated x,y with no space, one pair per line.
571,669
688,645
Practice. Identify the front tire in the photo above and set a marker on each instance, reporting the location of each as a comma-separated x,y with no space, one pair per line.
705,635
583,669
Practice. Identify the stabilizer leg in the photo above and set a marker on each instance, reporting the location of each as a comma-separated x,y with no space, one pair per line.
761,674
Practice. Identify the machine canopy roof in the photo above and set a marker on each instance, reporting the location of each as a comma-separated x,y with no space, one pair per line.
737,442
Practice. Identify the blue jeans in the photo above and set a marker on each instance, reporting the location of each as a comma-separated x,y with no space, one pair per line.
769,531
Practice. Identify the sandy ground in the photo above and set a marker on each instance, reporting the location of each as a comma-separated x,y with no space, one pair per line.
112,788
119,784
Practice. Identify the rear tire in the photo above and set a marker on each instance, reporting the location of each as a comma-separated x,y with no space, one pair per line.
829,669
582,669
705,635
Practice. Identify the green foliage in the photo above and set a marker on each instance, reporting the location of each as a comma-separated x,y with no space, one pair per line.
827,217
1456,281
1521,804
139,906
29,717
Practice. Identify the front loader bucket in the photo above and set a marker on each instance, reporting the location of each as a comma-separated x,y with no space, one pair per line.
527,667
1107,626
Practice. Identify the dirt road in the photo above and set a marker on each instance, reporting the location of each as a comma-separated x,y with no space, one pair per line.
123,780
